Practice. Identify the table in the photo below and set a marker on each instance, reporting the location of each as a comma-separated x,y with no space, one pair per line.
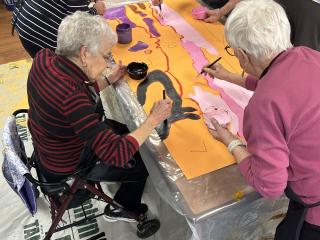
211,203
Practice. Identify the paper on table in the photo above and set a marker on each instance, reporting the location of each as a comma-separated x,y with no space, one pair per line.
184,45
207,100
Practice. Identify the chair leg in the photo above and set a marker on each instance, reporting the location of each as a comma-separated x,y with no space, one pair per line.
109,200
62,209
58,217
53,208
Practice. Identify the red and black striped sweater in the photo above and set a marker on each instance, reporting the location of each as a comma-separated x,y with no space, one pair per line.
62,117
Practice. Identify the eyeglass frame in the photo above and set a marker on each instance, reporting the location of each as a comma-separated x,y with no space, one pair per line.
233,55
226,49
108,57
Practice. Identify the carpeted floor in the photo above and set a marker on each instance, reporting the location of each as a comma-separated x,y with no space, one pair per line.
13,81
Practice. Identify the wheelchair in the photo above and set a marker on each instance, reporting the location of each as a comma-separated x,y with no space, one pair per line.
71,192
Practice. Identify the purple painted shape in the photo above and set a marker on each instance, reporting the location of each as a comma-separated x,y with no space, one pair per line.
199,61
118,13
138,46
142,14
151,27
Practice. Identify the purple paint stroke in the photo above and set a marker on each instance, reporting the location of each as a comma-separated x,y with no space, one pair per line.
142,6
138,46
151,27
118,13
136,11
199,61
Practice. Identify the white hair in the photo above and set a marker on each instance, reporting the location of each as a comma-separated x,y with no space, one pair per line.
259,27
82,29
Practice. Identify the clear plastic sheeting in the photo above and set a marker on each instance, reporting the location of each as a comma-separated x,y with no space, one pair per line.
251,221
211,203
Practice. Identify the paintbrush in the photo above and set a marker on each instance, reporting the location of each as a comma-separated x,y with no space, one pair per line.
164,97
160,8
209,66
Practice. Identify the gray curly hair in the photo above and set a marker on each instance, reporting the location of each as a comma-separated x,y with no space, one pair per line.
260,27
82,29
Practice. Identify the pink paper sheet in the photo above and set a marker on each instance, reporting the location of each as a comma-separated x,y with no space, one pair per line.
239,94
172,18
235,103
206,99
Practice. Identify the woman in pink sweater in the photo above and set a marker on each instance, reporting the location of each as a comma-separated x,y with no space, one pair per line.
282,119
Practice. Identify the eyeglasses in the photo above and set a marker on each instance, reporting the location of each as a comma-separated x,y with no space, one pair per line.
108,57
229,50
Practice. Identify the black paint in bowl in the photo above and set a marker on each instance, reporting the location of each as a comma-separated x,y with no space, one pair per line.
137,70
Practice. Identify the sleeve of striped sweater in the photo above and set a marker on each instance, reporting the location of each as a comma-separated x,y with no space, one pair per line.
79,5
109,147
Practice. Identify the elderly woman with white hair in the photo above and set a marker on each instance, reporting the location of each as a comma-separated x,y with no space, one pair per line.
66,116
282,119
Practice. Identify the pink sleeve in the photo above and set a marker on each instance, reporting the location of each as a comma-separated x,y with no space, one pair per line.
266,168
251,83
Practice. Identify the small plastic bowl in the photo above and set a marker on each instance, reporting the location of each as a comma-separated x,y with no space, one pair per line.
199,13
137,70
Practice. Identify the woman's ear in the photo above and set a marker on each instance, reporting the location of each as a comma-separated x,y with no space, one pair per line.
83,55
243,58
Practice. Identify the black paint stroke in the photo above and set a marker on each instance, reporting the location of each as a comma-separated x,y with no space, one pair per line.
178,112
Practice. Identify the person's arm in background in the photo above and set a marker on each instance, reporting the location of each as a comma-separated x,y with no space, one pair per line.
82,5
215,15
247,81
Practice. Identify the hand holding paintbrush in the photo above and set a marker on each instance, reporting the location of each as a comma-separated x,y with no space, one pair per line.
208,66
219,71
164,98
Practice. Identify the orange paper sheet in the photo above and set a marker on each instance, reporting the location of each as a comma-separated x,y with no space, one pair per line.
191,145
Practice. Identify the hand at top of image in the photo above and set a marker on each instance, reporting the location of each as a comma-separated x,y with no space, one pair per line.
100,7
213,15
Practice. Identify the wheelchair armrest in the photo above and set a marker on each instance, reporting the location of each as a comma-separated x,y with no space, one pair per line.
49,188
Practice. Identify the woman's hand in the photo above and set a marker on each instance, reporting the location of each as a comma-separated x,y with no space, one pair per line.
160,111
218,71
213,15
220,133
225,136
117,72
156,2
100,7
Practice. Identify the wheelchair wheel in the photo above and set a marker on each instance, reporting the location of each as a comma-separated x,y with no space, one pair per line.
148,228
